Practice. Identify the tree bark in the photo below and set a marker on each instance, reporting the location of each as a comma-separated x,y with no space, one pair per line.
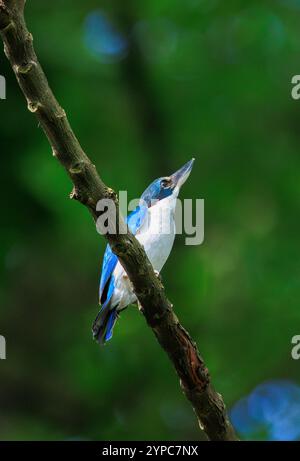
89,189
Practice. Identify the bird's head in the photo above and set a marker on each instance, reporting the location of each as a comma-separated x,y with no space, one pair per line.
168,185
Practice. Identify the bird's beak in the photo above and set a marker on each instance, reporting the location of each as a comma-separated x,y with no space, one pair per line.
179,178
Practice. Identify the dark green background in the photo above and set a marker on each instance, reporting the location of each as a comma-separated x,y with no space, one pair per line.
203,78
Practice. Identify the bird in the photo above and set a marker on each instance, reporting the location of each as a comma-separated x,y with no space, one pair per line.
153,224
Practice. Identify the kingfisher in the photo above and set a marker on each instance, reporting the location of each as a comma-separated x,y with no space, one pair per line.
153,224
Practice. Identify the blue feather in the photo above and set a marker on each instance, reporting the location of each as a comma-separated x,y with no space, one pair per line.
105,320
109,263
134,222
136,218
110,325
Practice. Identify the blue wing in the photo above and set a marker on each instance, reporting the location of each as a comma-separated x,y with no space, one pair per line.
109,263
134,221
105,320
137,218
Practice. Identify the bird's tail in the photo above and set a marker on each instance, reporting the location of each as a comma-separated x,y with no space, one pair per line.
103,325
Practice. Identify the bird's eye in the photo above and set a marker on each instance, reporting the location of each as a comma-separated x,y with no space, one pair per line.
165,183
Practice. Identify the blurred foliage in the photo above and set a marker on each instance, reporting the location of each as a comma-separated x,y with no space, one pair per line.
169,80
270,412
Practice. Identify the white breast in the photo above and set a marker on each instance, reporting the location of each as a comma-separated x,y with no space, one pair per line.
158,232
157,236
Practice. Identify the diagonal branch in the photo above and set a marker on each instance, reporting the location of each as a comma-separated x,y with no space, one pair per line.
89,189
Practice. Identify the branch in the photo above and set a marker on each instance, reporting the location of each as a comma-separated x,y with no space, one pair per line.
89,189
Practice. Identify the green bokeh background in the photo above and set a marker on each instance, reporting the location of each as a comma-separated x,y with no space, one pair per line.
203,78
